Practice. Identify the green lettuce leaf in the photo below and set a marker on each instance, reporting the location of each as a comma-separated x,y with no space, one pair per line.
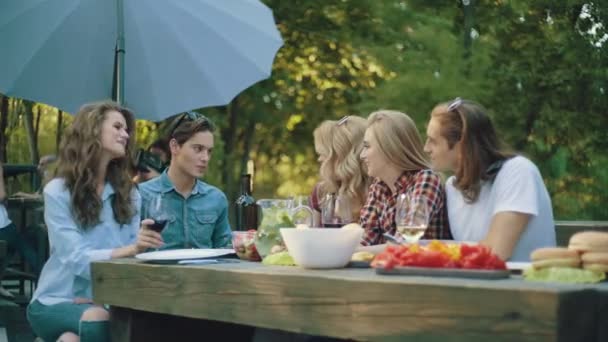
280,259
563,275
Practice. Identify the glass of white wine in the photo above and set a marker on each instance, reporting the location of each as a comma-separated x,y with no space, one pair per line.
301,211
411,217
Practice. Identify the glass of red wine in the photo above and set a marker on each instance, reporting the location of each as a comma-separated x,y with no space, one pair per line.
157,210
335,211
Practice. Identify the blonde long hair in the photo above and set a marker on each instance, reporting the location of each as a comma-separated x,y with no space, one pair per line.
79,156
398,139
342,172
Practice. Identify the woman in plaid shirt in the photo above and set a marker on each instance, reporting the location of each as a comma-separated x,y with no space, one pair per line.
394,156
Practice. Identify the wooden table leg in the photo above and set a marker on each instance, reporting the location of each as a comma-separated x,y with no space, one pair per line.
602,317
573,324
120,324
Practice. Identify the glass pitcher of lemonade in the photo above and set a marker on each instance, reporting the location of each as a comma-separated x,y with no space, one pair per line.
276,214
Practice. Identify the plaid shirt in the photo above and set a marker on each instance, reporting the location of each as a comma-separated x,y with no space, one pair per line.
378,213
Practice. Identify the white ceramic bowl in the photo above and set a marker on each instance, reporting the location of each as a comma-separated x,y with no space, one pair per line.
321,247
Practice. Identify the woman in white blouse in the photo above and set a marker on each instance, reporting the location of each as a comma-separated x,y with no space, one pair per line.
91,212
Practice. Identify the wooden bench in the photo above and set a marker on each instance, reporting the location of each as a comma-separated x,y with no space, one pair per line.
565,229
28,216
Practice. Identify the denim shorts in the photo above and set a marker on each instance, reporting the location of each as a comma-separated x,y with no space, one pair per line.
50,321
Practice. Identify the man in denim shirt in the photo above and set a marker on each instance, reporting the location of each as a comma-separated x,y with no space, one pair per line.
198,211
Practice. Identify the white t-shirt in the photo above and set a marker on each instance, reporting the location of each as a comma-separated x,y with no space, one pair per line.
4,220
518,187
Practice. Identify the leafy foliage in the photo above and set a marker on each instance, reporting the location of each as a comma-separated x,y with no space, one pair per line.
540,67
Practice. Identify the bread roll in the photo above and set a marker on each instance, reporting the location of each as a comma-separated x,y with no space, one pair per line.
589,241
554,253
571,262
555,257
595,258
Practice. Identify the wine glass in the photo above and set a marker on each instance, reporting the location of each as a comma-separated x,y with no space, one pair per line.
335,211
301,211
157,210
411,217
298,201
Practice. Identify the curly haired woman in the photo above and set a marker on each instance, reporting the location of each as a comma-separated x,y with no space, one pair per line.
342,173
91,212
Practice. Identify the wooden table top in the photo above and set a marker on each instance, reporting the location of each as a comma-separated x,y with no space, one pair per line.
357,303
27,201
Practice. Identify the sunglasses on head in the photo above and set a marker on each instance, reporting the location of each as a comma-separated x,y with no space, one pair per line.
190,116
342,121
454,104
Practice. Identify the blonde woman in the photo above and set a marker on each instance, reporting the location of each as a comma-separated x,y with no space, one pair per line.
394,156
342,173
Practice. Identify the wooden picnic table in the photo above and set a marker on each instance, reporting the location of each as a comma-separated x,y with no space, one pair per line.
24,205
17,169
13,170
30,213
344,303
27,215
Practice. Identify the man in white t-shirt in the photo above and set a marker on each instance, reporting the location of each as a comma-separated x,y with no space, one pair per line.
495,197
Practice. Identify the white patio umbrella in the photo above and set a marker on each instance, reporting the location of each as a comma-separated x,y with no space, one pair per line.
158,57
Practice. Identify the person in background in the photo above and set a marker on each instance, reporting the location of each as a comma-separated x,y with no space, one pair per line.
495,197
198,211
151,163
45,171
15,241
91,212
44,165
160,148
342,173
394,156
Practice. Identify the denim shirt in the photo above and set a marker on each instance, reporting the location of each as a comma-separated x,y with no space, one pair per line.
66,274
199,221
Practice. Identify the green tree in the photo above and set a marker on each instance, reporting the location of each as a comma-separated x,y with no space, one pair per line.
318,74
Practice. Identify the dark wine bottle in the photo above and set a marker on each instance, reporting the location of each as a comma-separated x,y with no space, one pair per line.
246,208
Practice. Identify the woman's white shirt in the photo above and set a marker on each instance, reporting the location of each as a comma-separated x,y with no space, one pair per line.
518,187
66,274
4,219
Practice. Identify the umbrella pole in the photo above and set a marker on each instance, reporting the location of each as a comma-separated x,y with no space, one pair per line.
119,57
